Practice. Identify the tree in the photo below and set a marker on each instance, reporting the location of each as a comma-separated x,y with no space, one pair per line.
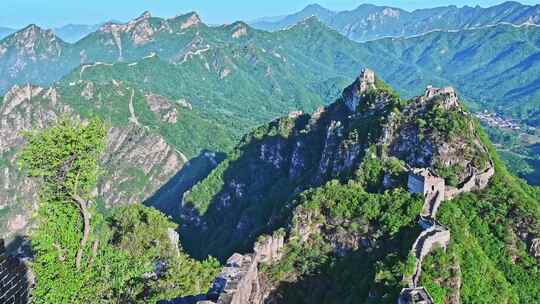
65,157
127,245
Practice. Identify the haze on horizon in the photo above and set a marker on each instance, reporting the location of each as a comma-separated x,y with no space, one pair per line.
56,13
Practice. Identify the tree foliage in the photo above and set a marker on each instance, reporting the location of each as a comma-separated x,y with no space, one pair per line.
128,256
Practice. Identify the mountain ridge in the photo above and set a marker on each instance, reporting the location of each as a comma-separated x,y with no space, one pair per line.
368,22
329,200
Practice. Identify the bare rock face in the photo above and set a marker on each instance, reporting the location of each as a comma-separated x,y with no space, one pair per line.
136,162
304,151
162,107
239,30
24,54
23,108
26,42
17,223
191,21
426,146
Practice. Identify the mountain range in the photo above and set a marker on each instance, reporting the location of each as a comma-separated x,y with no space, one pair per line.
69,33
505,80
316,168
214,84
368,22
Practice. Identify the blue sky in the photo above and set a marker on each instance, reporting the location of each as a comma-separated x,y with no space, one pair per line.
51,13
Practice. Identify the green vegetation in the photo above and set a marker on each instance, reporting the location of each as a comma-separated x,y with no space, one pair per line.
494,261
83,256
333,214
520,151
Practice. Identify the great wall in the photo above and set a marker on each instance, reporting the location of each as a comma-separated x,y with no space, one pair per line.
435,192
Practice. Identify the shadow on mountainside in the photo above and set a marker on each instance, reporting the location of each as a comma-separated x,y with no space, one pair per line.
249,201
253,194
168,198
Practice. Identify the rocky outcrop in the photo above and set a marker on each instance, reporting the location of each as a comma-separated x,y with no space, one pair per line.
137,163
31,43
302,151
192,20
162,107
416,140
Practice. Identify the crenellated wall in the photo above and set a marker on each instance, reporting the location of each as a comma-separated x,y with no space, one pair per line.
474,183
434,234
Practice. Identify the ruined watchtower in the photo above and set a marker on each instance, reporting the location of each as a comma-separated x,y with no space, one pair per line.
424,181
415,296
352,95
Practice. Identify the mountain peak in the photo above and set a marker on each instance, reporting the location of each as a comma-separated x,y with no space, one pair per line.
28,37
187,20
315,8
311,21
352,95
33,30
145,15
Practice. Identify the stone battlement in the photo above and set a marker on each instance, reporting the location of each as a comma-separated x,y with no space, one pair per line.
415,296
432,187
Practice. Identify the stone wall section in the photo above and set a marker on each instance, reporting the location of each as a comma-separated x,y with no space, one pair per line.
434,190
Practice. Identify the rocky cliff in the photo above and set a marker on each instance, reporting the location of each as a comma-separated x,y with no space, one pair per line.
137,161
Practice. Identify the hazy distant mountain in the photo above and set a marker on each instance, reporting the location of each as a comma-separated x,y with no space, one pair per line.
5,31
368,22
69,33
74,32
496,67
